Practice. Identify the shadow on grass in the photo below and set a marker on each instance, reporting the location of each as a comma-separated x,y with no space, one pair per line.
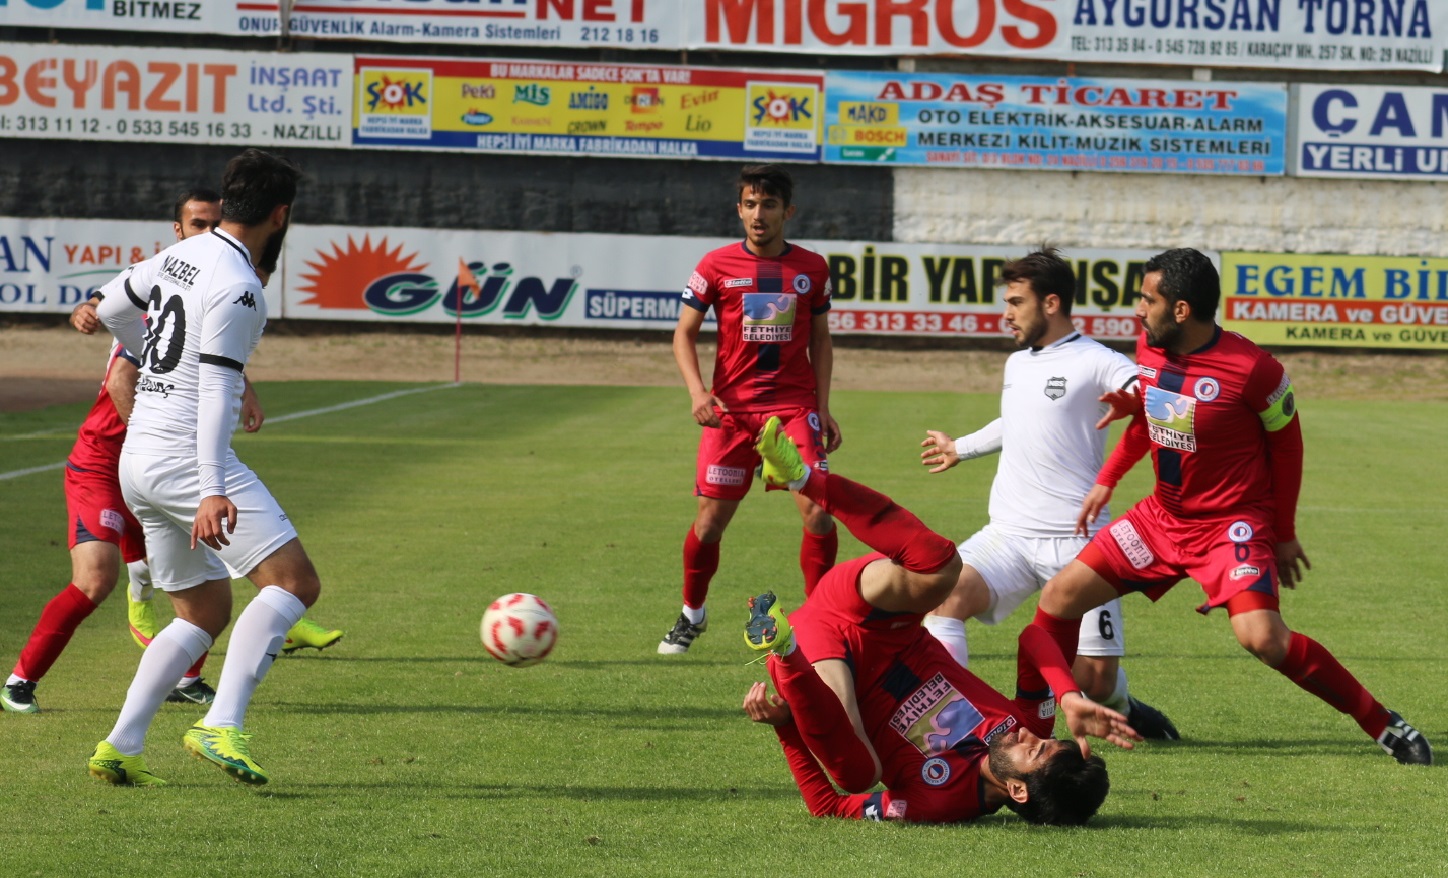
1347,745
641,714
572,664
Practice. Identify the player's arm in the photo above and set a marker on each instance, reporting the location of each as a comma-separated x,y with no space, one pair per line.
822,360
1041,668
122,305
252,413
942,452
1278,411
121,385
83,316
1135,442
686,353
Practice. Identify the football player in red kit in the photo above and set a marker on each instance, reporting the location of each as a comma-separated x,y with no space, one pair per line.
868,695
771,300
1220,418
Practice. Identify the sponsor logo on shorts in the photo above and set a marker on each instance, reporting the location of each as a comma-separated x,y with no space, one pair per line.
935,771
1131,544
802,284
1245,571
112,519
738,282
1046,709
1206,389
725,475
1055,388
1239,531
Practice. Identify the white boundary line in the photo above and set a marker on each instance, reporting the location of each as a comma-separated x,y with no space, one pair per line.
15,474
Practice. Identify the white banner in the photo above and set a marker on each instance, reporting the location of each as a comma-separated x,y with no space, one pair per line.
634,282
1389,132
51,265
171,16
603,24
50,91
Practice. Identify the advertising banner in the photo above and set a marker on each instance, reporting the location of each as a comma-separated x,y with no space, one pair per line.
121,16
1056,124
1372,131
635,282
587,109
1344,301
603,24
51,91
1304,34
51,265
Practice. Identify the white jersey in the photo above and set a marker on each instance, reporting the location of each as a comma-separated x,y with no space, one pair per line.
1050,448
205,310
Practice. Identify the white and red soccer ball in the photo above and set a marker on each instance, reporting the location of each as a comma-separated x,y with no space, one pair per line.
519,629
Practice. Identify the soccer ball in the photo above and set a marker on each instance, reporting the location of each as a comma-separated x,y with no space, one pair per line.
519,629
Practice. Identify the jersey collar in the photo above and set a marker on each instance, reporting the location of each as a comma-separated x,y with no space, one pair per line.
1058,342
744,245
233,243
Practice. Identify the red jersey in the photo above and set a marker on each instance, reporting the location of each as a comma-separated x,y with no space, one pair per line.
929,720
765,307
1217,420
98,444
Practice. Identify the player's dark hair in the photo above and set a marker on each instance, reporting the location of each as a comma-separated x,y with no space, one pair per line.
1046,272
196,193
1065,791
254,184
769,179
1187,275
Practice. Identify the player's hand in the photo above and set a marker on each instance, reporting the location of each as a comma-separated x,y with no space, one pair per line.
1091,506
1086,717
215,518
1124,403
763,707
703,404
83,317
830,432
1289,554
251,410
939,453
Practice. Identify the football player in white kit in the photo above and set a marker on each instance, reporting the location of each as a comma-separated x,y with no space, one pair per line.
1050,452
201,508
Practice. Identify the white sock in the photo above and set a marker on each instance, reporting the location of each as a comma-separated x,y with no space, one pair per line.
799,482
951,633
140,573
176,648
256,638
187,680
14,678
694,615
1120,699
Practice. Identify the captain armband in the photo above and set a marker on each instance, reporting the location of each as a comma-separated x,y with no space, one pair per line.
1281,407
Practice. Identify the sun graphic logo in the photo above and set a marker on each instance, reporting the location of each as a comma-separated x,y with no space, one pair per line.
782,106
394,103
367,275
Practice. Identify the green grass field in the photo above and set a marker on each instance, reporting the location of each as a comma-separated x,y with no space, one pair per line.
405,750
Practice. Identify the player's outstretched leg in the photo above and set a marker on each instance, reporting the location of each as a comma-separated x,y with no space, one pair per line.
227,748
307,634
767,629
113,766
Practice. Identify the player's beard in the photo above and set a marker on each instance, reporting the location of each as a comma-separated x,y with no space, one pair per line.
999,760
272,250
1031,334
1163,337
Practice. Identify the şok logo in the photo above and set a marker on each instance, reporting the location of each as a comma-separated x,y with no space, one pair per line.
395,104
389,282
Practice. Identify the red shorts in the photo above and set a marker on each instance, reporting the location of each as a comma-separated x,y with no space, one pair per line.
95,510
1149,550
727,457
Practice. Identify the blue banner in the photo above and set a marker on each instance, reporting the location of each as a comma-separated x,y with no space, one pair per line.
1390,132
1056,124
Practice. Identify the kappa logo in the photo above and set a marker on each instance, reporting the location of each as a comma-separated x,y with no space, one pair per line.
1055,388
935,771
1131,544
246,299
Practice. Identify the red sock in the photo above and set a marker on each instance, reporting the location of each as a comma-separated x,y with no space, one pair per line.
1066,633
701,560
195,670
58,621
823,722
817,555
880,523
1311,666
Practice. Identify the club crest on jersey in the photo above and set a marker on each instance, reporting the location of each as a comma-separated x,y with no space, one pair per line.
802,284
1055,388
936,717
1206,389
769,317
1239,531
935,771
1170,419
733,282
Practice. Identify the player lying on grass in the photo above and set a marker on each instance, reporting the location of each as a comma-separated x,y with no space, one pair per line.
871,696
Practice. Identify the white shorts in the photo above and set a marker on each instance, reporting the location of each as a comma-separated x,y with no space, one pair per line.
163,493
1014,568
